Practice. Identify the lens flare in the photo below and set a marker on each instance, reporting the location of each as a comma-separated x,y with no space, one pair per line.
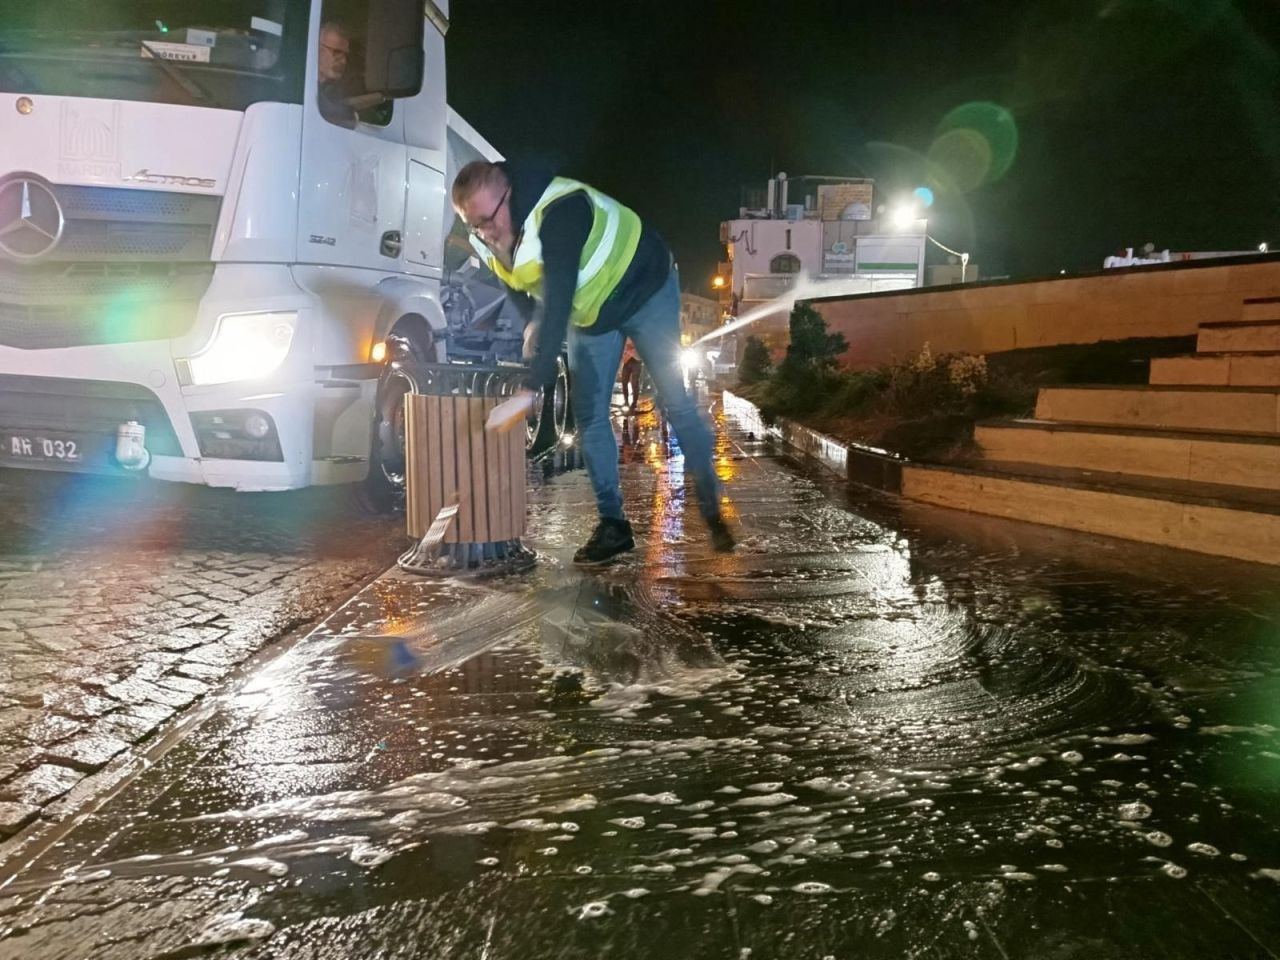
976,143
965,155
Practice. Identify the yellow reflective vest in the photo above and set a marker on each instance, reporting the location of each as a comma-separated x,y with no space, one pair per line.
610,246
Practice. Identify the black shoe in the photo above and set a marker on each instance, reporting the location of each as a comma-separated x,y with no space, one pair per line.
611,537
721,539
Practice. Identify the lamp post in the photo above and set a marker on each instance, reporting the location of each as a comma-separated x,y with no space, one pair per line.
720,284
963,255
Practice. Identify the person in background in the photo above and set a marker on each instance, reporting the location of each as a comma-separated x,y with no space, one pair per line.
630,377
595,271
335,49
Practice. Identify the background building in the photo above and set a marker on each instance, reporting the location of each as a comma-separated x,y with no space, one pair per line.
698,316
830,230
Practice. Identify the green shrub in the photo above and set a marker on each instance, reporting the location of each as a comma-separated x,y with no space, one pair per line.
929,385
756,365
781,397
812,352
931,400
853,393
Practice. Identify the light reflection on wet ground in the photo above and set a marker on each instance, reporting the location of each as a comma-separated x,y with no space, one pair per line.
875,730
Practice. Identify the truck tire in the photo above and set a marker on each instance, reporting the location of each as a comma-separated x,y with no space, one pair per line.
551,417
383,489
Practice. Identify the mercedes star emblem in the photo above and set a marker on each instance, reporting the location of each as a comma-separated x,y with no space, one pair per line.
31,220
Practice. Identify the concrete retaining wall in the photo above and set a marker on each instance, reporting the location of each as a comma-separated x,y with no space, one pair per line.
865,465
1164,301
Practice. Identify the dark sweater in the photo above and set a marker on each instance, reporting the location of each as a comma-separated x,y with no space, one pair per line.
564,231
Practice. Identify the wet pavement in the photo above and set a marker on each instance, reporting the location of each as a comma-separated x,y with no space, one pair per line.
875,730
124,602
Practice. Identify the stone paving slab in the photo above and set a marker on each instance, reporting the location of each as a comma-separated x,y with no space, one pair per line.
124,603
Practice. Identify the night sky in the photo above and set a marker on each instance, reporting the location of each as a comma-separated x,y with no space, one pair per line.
1052,133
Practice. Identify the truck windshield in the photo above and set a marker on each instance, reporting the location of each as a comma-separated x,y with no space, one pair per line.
216,53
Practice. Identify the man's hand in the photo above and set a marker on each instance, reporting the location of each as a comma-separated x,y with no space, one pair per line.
530,339
510,412
363,101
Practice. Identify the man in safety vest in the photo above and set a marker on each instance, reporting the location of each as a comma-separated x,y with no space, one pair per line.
601,276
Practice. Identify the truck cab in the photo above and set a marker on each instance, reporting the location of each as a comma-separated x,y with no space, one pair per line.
220,228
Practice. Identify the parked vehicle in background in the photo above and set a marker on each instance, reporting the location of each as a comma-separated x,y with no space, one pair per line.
205,278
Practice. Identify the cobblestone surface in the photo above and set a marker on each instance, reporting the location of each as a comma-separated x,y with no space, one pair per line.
123,603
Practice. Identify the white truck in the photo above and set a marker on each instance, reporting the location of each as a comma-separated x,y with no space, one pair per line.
205,279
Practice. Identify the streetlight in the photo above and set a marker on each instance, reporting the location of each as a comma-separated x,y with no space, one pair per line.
903,216
717,282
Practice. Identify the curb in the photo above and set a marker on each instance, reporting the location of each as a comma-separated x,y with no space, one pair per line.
864,465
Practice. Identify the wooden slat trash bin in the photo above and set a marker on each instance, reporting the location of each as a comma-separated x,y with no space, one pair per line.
451,460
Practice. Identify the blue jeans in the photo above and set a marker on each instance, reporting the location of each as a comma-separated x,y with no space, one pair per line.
593,364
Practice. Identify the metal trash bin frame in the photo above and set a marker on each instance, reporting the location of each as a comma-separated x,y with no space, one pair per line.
450,457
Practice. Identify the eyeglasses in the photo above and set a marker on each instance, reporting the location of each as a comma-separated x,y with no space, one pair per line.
479,225
336,51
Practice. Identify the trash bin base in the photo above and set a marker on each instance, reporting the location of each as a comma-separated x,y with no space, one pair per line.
468,559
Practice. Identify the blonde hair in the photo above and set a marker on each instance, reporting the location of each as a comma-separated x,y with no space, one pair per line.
475,176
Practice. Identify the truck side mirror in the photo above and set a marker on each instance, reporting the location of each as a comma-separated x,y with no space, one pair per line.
393,64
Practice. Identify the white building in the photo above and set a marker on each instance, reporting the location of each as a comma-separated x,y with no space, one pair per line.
832,236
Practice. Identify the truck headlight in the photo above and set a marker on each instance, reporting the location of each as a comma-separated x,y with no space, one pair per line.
244,346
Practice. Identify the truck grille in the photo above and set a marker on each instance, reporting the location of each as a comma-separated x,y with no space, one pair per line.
80,304
114,223
84,406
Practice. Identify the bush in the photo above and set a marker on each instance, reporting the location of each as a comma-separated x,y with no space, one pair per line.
782,397
852,393
932,386
812,351
924,407
756,365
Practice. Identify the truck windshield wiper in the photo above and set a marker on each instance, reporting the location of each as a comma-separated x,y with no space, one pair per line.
177,76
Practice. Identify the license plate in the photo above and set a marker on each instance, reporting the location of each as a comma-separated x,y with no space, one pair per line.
41,448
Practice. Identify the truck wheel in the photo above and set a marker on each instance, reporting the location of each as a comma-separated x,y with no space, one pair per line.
550,418
383,490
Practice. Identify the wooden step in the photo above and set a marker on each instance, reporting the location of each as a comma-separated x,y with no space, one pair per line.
1186,516
1231,409
1261,308
1218,369
1246,336
1239,460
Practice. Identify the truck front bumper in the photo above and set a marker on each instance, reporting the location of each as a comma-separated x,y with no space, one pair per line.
51,421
